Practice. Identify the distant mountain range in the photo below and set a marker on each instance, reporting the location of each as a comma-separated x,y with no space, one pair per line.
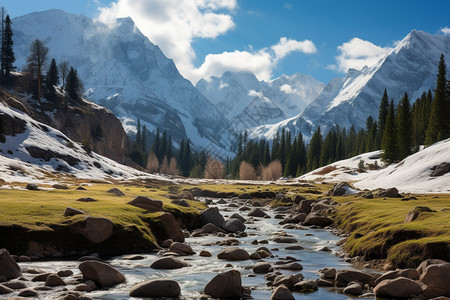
123,71
410,67
248,102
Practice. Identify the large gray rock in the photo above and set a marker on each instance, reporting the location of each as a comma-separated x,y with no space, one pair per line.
257,212
423,265
282,293
168,263
436,280
344,277
70,211
54,280
234,225
261,267
102,274
238,216
354,288
225,285
212,215
8,266
400,287
233,253
211,228
408,273
146,203
181,249
287,280
318,220
305,206
97,229
169,225
306,286
415,212
156,288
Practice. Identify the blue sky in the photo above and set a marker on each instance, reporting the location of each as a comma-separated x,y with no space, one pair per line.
322,38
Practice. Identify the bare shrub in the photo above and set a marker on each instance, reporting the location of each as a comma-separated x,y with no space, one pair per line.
173,167
214,169
272,171
164,167
152,163
246,171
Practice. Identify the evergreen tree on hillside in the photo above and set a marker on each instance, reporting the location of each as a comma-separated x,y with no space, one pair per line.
52,77
389,141
404,127
314,150
7,53
156,146
143,142
438,126
63,70
382,115
73,84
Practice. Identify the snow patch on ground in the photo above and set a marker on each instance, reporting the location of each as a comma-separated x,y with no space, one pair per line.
411,175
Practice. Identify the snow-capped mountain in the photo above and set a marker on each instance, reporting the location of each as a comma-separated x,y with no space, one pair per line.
122,70
248,102
410,67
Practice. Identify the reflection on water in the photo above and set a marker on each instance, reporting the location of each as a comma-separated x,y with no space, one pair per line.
194,278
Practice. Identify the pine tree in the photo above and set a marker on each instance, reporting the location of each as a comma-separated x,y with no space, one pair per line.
438,127
7,54
382,115
314,150
36,61
52,77
144,139
138,132
404,127
389,141
156,146
73,84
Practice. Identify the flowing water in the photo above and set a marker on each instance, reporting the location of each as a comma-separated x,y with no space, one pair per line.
194,278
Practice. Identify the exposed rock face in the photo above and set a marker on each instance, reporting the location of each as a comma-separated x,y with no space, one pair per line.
400,287
441,169
305,206
102,274
8,266
156,289
96,229
415,212
436,280
165,226
225,285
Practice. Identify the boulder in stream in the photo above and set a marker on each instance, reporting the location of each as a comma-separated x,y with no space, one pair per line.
156,289
225,285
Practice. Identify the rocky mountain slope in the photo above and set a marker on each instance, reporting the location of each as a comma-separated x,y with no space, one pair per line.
31,151
410,67
122,70
248,102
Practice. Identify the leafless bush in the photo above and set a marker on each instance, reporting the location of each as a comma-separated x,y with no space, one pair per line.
214,168
272,171
152,163
246,171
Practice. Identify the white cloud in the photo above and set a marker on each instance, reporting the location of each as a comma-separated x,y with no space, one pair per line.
174,24
261,62
286,46
445,30
357,53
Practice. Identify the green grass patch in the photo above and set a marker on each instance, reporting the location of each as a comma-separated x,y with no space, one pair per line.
378,228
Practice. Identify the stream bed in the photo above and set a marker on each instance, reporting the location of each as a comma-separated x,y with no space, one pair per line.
194,278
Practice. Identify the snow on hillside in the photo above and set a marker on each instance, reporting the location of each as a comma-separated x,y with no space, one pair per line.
248,102
411,175
410,67
122,70
38,153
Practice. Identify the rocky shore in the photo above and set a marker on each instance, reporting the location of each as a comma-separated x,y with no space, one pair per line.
283,273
